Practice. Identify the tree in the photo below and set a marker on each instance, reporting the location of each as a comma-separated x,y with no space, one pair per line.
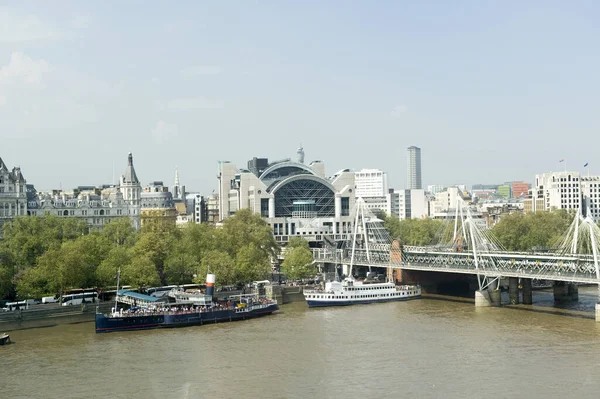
529,231
251,264
298,262
141,272
117,257
28,237
120,232
218,263
413,231
155,246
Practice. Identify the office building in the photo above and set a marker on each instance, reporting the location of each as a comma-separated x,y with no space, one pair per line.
414,169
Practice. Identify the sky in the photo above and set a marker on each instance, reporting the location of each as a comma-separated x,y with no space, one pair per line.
492,91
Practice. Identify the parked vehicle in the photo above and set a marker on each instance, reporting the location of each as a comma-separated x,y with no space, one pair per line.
49,299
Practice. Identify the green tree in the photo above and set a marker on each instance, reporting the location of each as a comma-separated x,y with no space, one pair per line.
529,231
120,232
155,246
218,263
298,262
251,264
140,272
117,257
414,231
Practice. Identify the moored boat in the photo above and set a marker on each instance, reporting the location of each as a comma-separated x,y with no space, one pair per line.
4,339
189,310
351,292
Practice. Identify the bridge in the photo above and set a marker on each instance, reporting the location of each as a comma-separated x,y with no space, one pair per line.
474,251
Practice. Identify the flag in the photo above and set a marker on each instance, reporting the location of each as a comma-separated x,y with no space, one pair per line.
562,160
586,164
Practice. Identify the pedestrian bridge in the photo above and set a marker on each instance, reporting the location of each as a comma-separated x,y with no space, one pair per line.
471,250
542,266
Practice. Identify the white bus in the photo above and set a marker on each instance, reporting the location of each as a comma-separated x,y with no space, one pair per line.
77,299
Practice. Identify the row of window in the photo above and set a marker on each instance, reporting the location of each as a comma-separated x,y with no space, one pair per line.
325,296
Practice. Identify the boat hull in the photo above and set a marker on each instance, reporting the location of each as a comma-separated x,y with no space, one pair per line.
316,303
148,322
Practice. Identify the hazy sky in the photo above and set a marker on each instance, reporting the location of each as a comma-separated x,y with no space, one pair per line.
492,91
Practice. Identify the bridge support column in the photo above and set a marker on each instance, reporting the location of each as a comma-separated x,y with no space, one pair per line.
561,292
482,299
513,290
495,296
598,312
527,292
565,292
573,292
488,297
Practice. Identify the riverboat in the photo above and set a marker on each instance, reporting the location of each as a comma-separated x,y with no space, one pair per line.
4,339
194,311
351,292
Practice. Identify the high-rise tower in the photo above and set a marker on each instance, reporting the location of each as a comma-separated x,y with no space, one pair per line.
414,168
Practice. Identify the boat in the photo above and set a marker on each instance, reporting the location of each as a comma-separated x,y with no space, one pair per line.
4,339
351,292
190,310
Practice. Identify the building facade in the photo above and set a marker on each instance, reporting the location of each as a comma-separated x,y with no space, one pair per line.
13,193
407,204
294,198
519,189
414,169
157,206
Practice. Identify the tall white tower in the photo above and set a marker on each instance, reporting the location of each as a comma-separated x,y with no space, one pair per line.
414,169
130,185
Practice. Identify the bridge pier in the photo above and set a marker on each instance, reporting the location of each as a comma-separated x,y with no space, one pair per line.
598,312
565,292
527,292
573,292
513,290
487,297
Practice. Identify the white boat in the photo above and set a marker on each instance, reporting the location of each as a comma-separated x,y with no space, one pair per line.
350,292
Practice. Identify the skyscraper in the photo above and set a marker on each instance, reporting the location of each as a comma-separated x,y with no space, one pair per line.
414,168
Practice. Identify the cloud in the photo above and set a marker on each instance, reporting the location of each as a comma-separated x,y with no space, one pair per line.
24,70
200,70
186,104
164,132
16,28
398,111
2,100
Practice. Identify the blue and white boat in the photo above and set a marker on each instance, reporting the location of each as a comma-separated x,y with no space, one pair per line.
351,292
190,309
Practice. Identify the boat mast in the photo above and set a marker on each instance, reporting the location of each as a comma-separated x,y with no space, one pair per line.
117,296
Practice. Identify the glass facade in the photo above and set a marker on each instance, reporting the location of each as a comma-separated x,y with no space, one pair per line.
304,193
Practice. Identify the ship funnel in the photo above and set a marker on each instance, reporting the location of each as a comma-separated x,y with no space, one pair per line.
210,284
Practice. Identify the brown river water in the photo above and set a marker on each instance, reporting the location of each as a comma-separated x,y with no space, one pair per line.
427,348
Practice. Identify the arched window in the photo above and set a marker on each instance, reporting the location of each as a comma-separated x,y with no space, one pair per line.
304,191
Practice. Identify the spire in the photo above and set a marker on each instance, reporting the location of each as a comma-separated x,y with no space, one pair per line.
130,177
2,165
176,177
300,154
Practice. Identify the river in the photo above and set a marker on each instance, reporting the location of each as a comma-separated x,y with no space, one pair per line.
428,348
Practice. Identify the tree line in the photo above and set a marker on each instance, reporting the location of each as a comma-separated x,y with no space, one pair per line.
516,232
44,255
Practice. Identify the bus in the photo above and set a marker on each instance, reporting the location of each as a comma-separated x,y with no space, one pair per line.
159,292
77,299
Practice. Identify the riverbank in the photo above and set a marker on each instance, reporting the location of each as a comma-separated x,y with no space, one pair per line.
50,316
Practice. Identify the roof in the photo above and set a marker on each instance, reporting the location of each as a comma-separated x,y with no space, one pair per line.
137,295
130,176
